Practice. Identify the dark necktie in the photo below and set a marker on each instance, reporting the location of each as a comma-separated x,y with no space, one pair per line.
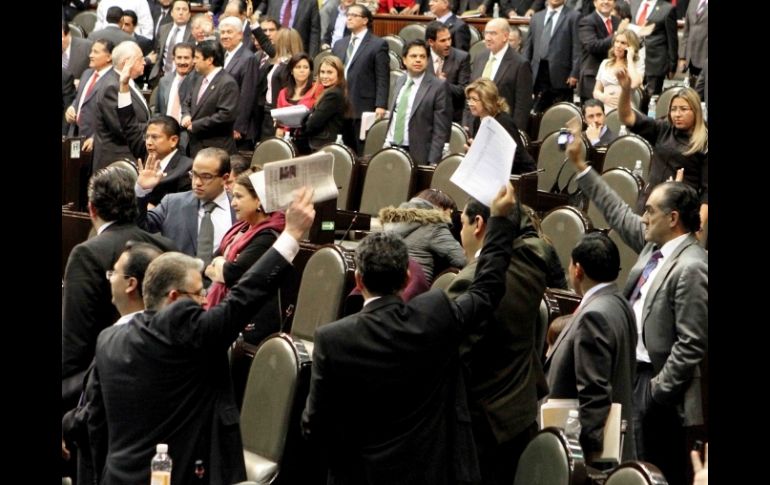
651,265
287,15
545,39
206,234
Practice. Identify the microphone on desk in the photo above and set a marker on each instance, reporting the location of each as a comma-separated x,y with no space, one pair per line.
347,231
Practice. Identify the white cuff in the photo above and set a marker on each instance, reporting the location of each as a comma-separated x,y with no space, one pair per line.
287,246
141,192
581,174
124,99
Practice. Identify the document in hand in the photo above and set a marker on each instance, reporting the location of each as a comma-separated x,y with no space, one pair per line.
367,120
487,165
290,116
554,412
277,181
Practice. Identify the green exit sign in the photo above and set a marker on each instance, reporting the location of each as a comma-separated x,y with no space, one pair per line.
327,225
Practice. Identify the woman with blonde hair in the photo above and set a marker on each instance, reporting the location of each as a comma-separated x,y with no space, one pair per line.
623,54
484,100
288,43
680,141
325,120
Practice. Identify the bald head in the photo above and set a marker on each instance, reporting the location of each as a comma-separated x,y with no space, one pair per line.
496,35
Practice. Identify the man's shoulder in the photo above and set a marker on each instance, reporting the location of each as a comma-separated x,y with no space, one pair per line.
458,54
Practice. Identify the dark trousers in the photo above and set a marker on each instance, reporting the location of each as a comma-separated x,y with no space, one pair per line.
351,128
654,84
660,436
693,73
548,95
498,461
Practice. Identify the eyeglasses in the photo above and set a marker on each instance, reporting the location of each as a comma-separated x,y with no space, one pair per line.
473,101
353,15
206,178
200,293
682,109
111,273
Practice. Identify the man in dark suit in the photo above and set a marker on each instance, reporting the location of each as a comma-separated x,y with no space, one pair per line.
128,25
210,109
502,359
593,360
668,292
304,18
461,33
598,133
112,30
74,52
67,96
510,71
241,63
386,398
508,8
164,377
81,114
367,70
450,64
161,14
662,45
553,49
86,306
111,143
421,112
595,41
165,41
336,28
174,87
179,215
694,51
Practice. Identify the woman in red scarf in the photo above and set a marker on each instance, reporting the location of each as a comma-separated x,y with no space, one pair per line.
249,238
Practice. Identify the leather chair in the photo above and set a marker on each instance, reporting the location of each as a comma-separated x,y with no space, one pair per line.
444,171
395,61
613,120
457,139
411,32
344,159
269,405
389,180
476,49
551,458
565,226
395,43
86,20
661,108
127,166
625,184
559,171
272,149
556,117
475,34
624,151
77,31
636,473
394,75
375,137
445,279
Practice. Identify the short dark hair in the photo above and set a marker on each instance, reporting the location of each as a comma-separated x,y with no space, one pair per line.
211,49
219,154
114,14
111,194
267,18
132,14
413,43
433,28
140,255
165,273
366,13
475,208
593,103
183,45
598,256
382,260
624,10
168,124
108,44
438,199
680,197
239,163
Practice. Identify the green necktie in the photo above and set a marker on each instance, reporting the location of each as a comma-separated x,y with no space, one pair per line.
403,100
488,68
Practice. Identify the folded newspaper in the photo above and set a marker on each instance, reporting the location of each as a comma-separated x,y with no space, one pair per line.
276,183
290,116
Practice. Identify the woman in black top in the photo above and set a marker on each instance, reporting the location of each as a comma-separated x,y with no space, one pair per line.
484,100
325,120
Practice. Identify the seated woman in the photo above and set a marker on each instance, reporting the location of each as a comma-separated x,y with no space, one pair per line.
399,7
484,100
300,90
624,53
327,116
423,222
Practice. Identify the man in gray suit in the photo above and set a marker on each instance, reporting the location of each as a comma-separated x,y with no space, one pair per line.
450,64
694,51
175,86
421,109
112,30
165,41
668,291
179,215
593,359
74,52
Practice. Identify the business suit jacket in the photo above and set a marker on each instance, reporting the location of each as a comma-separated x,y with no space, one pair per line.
110,141
514,82
67,95
326,118
144,43
165,377
461,33
383,386
662,45
429,121
330,10
111,32
176,217
86,124
86,305
164,90
214,116
369,68
520,6
563,49
80,49
307,22
594,361
595,42
606,138
675,313
457,72
160,46
695,41
244,67
502,359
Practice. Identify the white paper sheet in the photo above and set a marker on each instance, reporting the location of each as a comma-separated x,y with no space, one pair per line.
290,116
487,165
277,181
367,120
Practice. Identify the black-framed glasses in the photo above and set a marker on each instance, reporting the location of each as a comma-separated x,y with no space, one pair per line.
352,14
110,273
206,178
200,293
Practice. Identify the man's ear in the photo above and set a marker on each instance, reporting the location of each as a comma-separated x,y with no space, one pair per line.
359,281
133,285
480,225
407,279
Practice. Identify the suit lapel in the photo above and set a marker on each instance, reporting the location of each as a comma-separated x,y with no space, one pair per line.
359,51
396,89
191,216
505,63
662,275
562,18
425,85
209,89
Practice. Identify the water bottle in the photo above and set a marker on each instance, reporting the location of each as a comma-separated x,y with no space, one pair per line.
339,141
652,106
496,10
705,110
687,80
287,136
572,428
623,131
446,151
161,466
638,170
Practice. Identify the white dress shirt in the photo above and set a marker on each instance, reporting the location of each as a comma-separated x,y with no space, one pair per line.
141,7
498,60
409,103
220,217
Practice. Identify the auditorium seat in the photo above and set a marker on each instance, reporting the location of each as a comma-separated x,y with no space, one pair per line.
556,117
375,137
624,151
395,43
551,458
272,149
389,180
344,159
86,20
636,473
444,171
411,32
458,139
558,171
565,227
625,184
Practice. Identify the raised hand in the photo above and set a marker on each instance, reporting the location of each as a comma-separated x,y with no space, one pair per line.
574,153
623,78
300,214
150,173
504,201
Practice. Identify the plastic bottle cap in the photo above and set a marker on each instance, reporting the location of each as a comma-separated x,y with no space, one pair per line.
161,448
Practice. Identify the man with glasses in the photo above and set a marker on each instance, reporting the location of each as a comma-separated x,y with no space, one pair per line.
165,378
185,217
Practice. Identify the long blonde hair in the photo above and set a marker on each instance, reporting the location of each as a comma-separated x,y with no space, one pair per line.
287,43
633,42
699,138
